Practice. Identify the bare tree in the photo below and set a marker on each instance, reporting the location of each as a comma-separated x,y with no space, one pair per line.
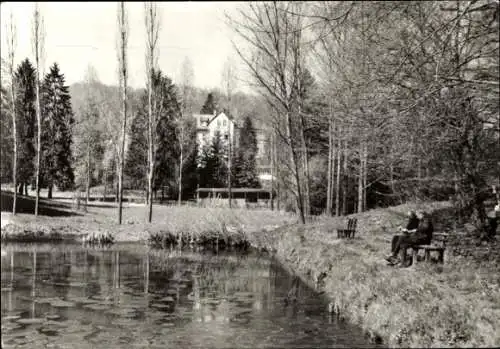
187,77
123,32
331,161
152,22
273,170
87,130
38,38
11,48
186,84
273,32
228,85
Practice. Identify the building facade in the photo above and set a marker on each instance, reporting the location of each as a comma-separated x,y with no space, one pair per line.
207,126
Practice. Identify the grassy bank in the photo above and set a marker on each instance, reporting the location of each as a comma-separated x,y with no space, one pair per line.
101,219
457,304
453,305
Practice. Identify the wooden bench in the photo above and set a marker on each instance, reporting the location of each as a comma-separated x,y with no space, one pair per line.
350,231
439,245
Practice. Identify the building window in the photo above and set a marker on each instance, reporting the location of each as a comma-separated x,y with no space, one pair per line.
224,123
218,123
226,137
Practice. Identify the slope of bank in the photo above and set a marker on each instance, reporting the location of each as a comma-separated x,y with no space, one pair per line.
456,304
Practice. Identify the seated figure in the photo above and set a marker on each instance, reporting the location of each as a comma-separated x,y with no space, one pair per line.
422,236
490,228
411,227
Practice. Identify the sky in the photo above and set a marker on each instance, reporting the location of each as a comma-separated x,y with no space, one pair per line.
83,33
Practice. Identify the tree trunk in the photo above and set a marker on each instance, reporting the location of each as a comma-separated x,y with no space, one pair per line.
337,185
88,177
11,41
150,148
152,27
329,188
150,190
20,189
49,193
391,178
307,199
14,132
229,155
360,178
105,183
419,176
124,109
39,136
37,45
181,164
365,175
278,179
26,189
117,192
295,164
345,181
272,170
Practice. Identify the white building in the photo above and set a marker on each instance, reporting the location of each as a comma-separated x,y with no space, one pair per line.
208,125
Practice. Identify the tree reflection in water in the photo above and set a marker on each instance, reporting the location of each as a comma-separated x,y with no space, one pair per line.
132,296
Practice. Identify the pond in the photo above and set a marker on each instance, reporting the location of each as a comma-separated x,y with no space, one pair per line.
68,296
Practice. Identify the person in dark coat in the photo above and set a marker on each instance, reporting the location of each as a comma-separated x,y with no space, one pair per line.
423,236
490,228
410,228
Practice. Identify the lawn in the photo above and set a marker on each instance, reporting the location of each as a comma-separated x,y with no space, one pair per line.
103,217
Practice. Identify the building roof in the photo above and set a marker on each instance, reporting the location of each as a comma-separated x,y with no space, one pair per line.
204,120
219,114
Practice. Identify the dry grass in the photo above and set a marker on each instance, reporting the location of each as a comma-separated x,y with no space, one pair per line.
457,304
177,220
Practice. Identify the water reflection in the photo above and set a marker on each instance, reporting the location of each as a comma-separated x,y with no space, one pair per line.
129,296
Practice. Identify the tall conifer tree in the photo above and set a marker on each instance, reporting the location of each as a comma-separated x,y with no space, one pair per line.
57,126
26,115
244,171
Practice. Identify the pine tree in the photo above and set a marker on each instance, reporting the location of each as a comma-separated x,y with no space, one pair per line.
244,170
191,175
137,157
57,123
213,169
167,149
211,104
26,114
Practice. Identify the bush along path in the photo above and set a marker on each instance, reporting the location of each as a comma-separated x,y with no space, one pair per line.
225,238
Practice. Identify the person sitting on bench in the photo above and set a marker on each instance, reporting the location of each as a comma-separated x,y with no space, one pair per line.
490,228
422,236
411,227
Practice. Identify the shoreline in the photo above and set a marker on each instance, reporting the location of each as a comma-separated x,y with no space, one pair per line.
422,306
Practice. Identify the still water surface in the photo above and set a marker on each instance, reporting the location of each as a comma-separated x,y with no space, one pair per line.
128,296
